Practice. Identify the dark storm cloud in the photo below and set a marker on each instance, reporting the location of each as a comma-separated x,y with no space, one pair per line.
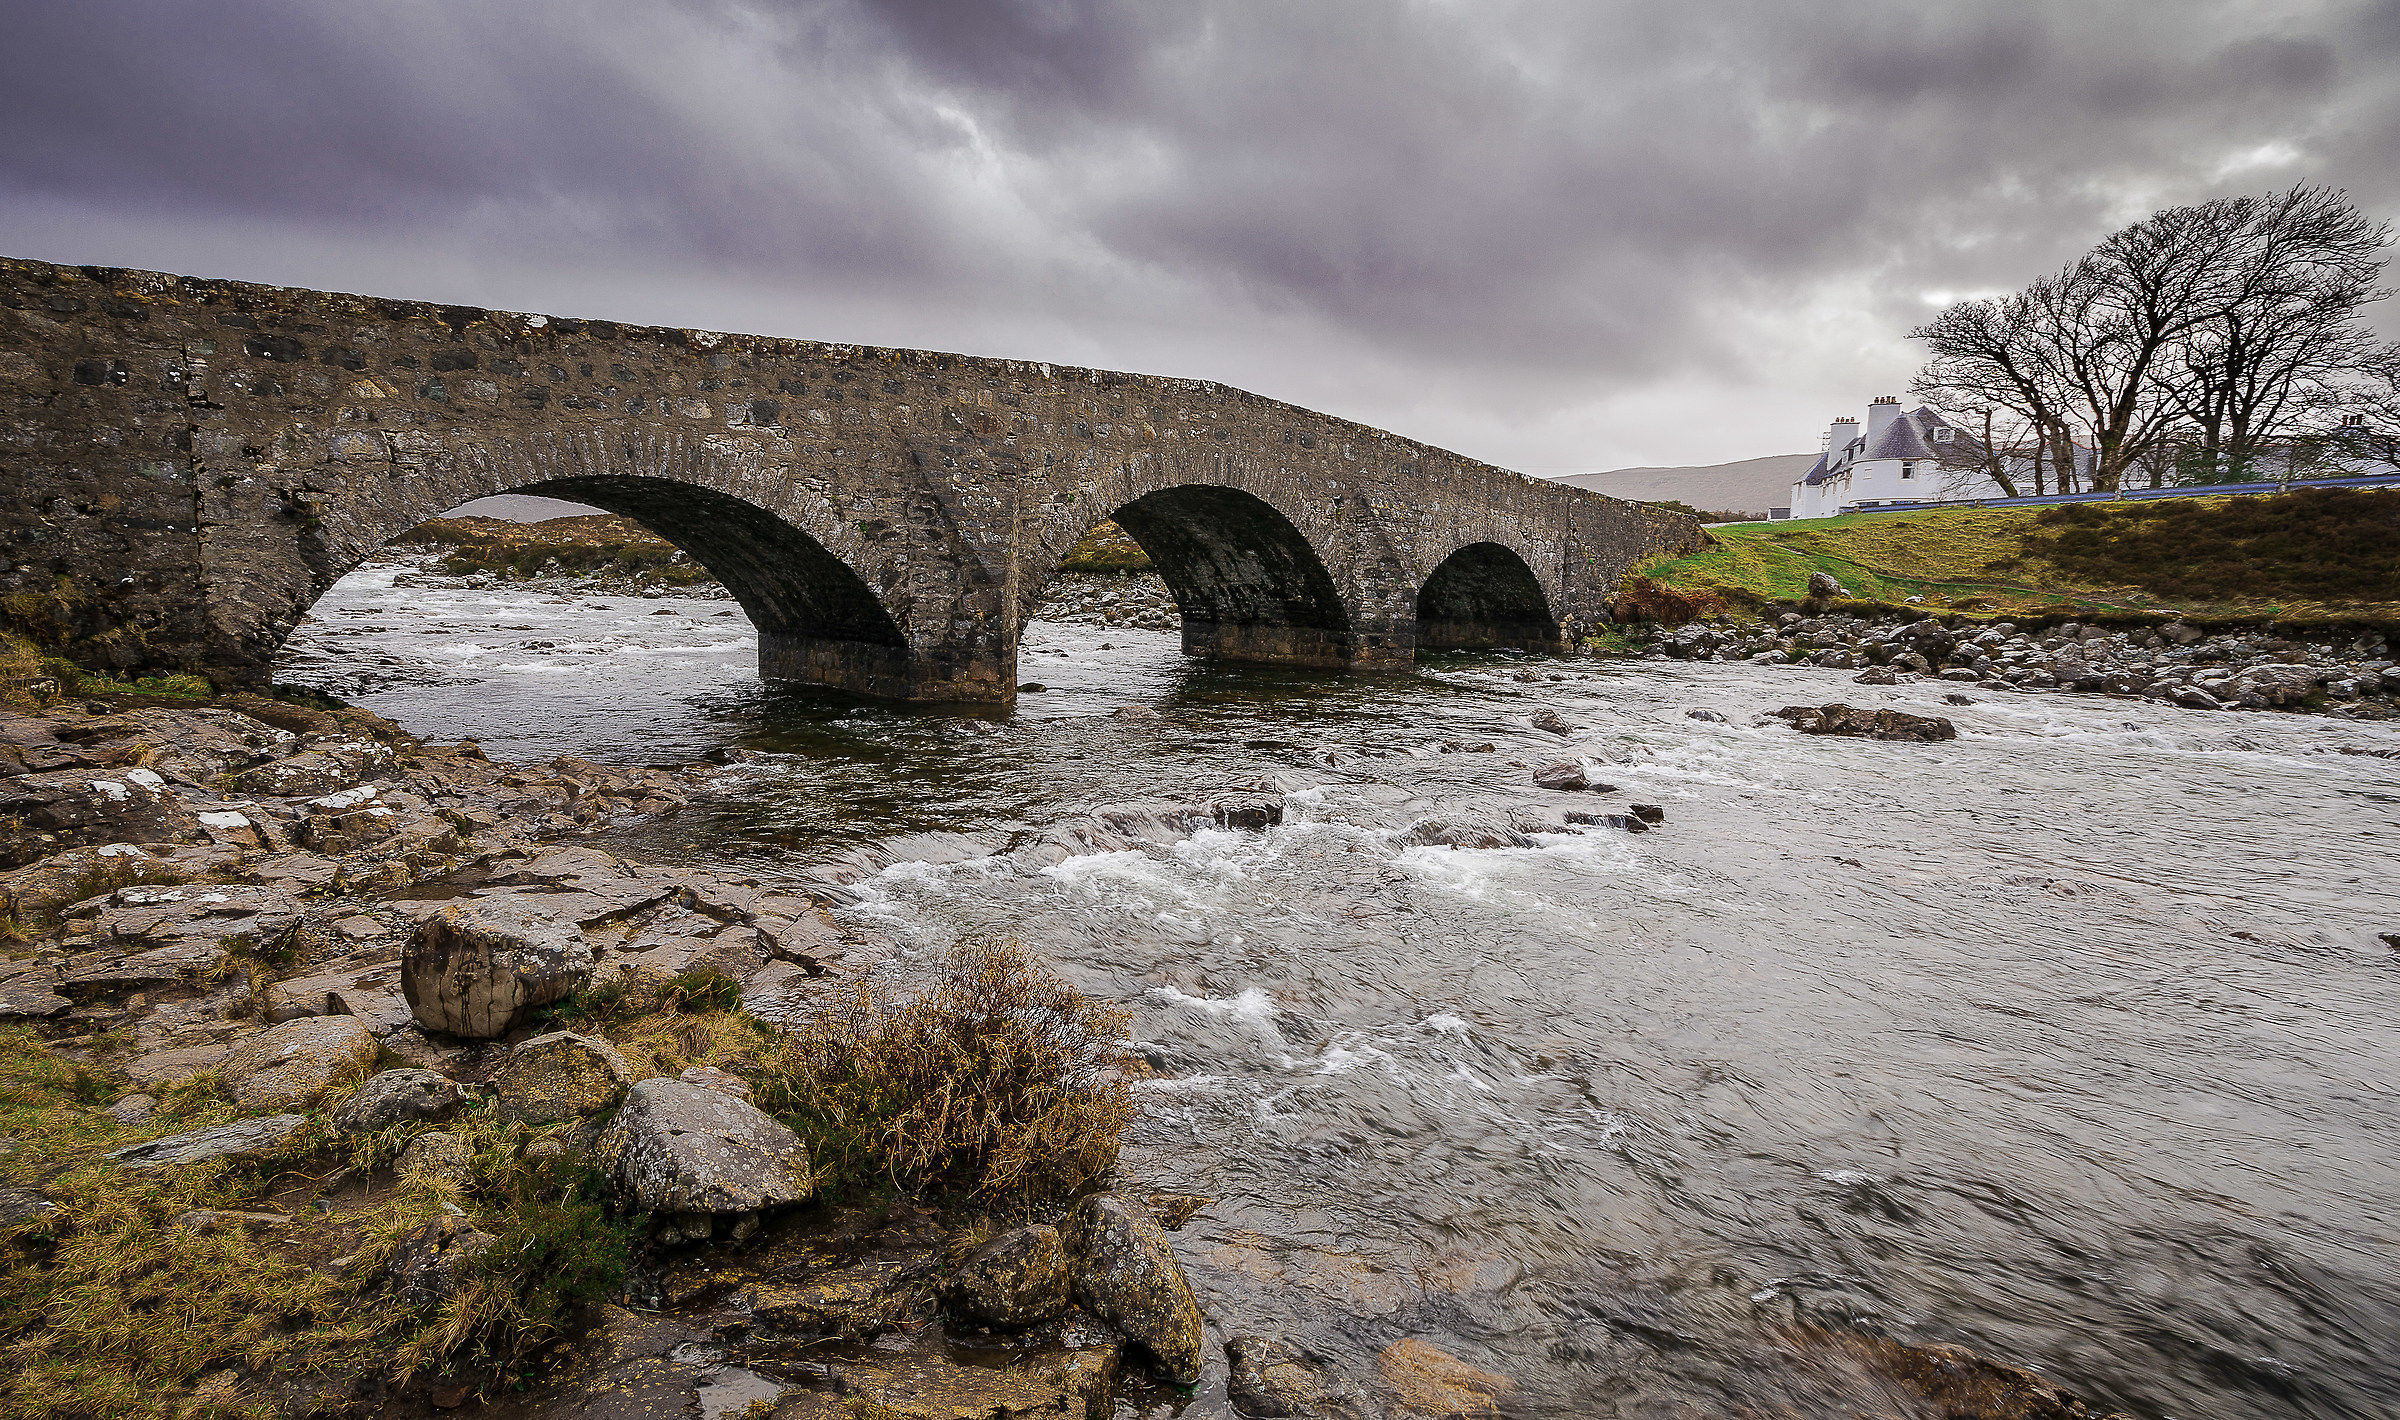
1522,201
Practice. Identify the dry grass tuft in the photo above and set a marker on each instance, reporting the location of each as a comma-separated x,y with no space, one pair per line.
994,1084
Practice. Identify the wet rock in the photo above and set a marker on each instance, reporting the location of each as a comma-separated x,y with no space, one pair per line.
1441,833
1969,1386
853,1303
1649,813
2192,697
1570,774
679,1148
433,1263
1428,1381
559,1076
293,1065
1711,716
1957,699
1550,721
924,1385
1866,724
1269,1377
1016,1279
1249,810
476,968
1127,1275
1876,675
399,1097
1627,822
243,1139
440,1156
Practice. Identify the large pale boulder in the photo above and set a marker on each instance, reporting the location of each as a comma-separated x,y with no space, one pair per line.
242,1139
559,1076
291,1066
475,968
678,1148
1126,1274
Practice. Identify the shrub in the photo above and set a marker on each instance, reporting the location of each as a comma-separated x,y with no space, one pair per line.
994,1083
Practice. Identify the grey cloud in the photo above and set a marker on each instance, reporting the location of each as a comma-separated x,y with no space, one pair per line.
1523,202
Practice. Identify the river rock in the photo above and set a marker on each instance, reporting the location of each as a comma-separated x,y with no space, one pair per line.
432,1263
292,1065
1569,774
558,1077
1551,722
42,814
1426,1380
1268,1377
476,968
1866,724
242,1139
1876,675
399,1097
1252,809
1126,1274
678,1148
440,1156
1017,1279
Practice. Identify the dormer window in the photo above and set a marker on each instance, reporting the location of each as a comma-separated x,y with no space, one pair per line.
1942,433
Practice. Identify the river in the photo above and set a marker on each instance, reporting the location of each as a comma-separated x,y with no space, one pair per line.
2072,1040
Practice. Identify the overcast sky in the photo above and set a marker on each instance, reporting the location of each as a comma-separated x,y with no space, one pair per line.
1558,234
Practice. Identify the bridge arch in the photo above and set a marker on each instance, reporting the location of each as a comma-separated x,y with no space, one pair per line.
1481,596
1249,584
819,619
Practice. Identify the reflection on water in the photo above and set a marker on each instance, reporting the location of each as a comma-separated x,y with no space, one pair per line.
2071,1040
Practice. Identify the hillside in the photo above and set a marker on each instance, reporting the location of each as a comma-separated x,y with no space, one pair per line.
2318,556
1748,487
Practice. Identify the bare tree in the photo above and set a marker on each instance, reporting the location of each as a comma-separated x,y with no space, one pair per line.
1985,375
2283,354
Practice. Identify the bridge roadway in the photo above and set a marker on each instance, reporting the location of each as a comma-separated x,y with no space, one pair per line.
186,465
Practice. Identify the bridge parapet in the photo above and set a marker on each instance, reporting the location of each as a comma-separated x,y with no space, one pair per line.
188,464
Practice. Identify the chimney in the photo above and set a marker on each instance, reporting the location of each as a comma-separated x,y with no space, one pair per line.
1839,436
1880,415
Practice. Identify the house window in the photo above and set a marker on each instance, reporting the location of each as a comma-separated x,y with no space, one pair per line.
1908,470
1941,434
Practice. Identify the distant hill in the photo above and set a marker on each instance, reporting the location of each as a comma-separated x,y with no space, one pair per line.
1750,487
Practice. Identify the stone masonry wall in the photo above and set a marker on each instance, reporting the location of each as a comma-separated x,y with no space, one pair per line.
187,464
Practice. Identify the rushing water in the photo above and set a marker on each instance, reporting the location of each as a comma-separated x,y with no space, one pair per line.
2071,1040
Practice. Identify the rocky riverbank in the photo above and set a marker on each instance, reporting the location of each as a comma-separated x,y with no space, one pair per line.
317,1019
2351,674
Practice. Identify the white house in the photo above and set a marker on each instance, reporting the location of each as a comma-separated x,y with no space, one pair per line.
1898,459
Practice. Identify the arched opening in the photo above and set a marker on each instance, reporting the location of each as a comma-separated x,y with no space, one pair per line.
1248,584
1481,596
522,623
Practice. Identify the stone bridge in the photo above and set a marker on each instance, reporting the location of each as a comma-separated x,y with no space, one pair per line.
186,465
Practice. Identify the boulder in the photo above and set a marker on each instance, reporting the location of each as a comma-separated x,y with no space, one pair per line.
242,1139
1570,774
1126,1275
1017,1279
1550,722
559,1076
1866,724
432,1263
475,968
1823,587
1426,1380
399,1097
292,1065
1250,809
438,1155
1876,675
680,1148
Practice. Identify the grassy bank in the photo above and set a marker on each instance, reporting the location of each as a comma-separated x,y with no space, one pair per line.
597,545
2317,557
